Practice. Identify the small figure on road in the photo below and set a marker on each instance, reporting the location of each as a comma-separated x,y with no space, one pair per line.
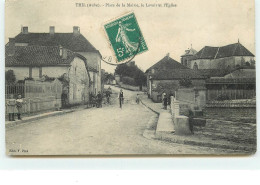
99,99
108,93
64,98
163,96
137,99
11,103
19,106
165,102
121,98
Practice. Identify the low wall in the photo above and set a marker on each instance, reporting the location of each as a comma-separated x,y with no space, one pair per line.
37,105
250,103
180,122
227,130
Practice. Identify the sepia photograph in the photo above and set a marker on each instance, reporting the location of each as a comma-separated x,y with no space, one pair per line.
130,78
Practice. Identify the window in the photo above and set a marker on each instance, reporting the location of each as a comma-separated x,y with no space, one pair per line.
195,66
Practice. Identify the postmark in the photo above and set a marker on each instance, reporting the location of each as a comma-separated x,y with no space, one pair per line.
125,37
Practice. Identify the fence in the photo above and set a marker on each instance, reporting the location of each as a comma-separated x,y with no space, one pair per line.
14,90
233,94
38,96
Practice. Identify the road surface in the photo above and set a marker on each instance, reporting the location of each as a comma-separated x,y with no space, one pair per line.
95,131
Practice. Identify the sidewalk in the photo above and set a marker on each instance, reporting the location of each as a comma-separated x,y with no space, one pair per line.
155,107
150,133
9,124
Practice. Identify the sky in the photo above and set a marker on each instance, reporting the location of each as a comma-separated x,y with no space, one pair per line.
165,30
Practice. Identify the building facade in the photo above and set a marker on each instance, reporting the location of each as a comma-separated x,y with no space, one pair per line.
50,62
74,42
165,76
229,57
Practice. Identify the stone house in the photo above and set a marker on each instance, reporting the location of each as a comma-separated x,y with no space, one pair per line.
37,62
229,58
73,41
165,75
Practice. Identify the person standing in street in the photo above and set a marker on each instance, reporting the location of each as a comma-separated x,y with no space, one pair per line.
11,107
165,102
19,106
163,96
99,99
108,92
121,98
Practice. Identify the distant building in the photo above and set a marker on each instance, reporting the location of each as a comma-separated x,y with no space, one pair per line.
227,58
164,76
188,56
37,62
74,41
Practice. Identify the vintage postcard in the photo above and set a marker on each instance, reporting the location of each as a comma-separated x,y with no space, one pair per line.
130,77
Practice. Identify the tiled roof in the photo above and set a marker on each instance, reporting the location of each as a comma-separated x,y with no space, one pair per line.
76,43
176,74
212,72
37,56
168,64
236,49
242,73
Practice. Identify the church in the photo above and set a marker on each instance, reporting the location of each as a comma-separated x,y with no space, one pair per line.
229,57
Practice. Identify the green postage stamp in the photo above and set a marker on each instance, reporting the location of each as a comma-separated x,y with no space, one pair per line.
125,37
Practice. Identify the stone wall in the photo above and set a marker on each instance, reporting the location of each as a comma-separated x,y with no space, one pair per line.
237,132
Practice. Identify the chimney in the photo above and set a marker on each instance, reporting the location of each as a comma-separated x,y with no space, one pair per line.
52,30
168,56
25,29
76,30
11,45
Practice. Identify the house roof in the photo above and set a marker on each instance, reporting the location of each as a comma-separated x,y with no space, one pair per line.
176,74
168,64
212,72
73,42
242,73
236,49
37,56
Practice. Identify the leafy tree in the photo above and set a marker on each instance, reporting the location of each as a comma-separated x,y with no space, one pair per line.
131,71
10,77
185,82
167,87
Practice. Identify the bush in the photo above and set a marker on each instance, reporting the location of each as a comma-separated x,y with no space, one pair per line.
185,82
128,80
10,77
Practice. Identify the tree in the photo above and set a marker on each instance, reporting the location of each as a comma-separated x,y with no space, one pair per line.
131,71
185,82
10,77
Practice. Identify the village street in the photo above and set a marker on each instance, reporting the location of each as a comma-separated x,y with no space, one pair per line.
107,130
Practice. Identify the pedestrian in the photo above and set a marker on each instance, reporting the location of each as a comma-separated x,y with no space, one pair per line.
165,102
64,98
169,100
99,99
137,99
11,108
19,106
108,96
121,98
163,96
